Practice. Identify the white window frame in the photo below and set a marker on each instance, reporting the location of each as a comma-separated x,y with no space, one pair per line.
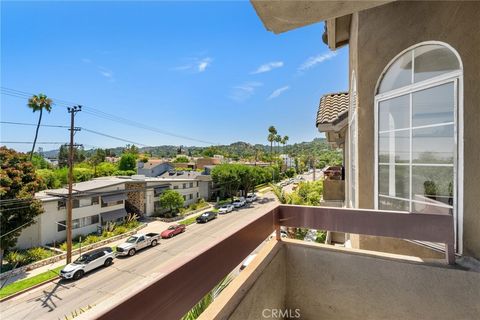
352,119
457,78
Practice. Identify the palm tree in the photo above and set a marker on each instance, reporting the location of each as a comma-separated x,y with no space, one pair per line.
284,142
271,138
38,103
278,139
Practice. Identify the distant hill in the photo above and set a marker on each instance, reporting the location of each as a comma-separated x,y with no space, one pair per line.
238,149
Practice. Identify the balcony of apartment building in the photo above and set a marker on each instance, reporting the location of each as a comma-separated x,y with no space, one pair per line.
332,119
297,279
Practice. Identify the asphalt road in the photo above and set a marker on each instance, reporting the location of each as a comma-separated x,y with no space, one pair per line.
60,298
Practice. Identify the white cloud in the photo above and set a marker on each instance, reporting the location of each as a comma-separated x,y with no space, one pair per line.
276,93
203,64
313,61
195,65
268,67
86,60
244,91
106,73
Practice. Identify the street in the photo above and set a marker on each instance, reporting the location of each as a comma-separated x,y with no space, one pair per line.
60,298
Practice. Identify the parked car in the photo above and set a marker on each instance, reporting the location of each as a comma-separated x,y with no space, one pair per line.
136,242
251,197
226,208
247,261
173,230
207,216
239,202
88,262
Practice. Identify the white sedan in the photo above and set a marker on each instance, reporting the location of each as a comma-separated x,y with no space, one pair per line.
225,208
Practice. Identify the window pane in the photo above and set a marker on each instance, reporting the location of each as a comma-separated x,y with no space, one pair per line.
398,75
434,105
394,113
433,145
431,206
432,184
392,204
433,60
394,181
394,147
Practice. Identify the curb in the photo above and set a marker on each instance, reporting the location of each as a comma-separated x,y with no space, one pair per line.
13,295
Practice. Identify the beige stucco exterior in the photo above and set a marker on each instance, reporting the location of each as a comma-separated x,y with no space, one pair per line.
377,36
325,282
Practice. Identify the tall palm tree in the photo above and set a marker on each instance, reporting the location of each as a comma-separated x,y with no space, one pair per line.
271,137
38,103
278,139
284,142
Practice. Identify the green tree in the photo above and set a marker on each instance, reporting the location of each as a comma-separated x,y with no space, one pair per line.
284,142
226,176
246,174
278,139
97,158
18,207
181,159
39,103
106,169
172,201
128,161
133,149
272,132
39,162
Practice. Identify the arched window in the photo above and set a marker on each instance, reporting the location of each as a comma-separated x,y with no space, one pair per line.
417,131
352,144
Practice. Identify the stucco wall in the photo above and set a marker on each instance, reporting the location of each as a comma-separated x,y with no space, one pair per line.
329,283
384,32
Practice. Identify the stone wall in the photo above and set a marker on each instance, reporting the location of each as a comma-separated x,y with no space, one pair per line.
136,199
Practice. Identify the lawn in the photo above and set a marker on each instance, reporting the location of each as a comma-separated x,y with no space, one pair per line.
29,282
189,221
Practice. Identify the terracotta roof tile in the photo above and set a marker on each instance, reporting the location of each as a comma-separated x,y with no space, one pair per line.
332,107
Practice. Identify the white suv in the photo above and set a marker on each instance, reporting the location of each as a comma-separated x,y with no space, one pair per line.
87,262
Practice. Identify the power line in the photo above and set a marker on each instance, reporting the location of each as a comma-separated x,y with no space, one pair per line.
82,128
29,142
104,115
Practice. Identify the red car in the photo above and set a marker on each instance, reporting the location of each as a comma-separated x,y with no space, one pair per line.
173,230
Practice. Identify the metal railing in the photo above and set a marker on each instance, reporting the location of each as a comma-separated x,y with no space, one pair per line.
185,282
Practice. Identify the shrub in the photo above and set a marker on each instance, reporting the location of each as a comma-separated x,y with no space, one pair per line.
107,234
37,254
63,246
15,257
91,239
120,230
131,224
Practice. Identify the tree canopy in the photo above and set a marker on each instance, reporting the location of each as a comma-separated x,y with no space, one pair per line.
172,201
128,161
17,191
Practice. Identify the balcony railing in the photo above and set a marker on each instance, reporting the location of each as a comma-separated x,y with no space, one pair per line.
185,282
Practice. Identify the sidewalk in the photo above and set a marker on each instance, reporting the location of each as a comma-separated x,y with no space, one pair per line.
152,226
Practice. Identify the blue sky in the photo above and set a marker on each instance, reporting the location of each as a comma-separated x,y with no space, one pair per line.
208,70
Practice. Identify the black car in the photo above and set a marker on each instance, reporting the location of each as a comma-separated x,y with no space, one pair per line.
207,216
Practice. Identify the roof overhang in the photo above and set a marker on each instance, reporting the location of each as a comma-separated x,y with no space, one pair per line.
281,16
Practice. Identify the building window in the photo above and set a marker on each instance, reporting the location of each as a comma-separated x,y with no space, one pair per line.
417,132
75,203
184,186
79,223
197,183
61,204
110,204
191,185
197,194
61,225
352,144
175,187
94,201
190,196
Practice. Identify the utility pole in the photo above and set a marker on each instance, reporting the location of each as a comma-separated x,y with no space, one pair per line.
72,129
312,164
